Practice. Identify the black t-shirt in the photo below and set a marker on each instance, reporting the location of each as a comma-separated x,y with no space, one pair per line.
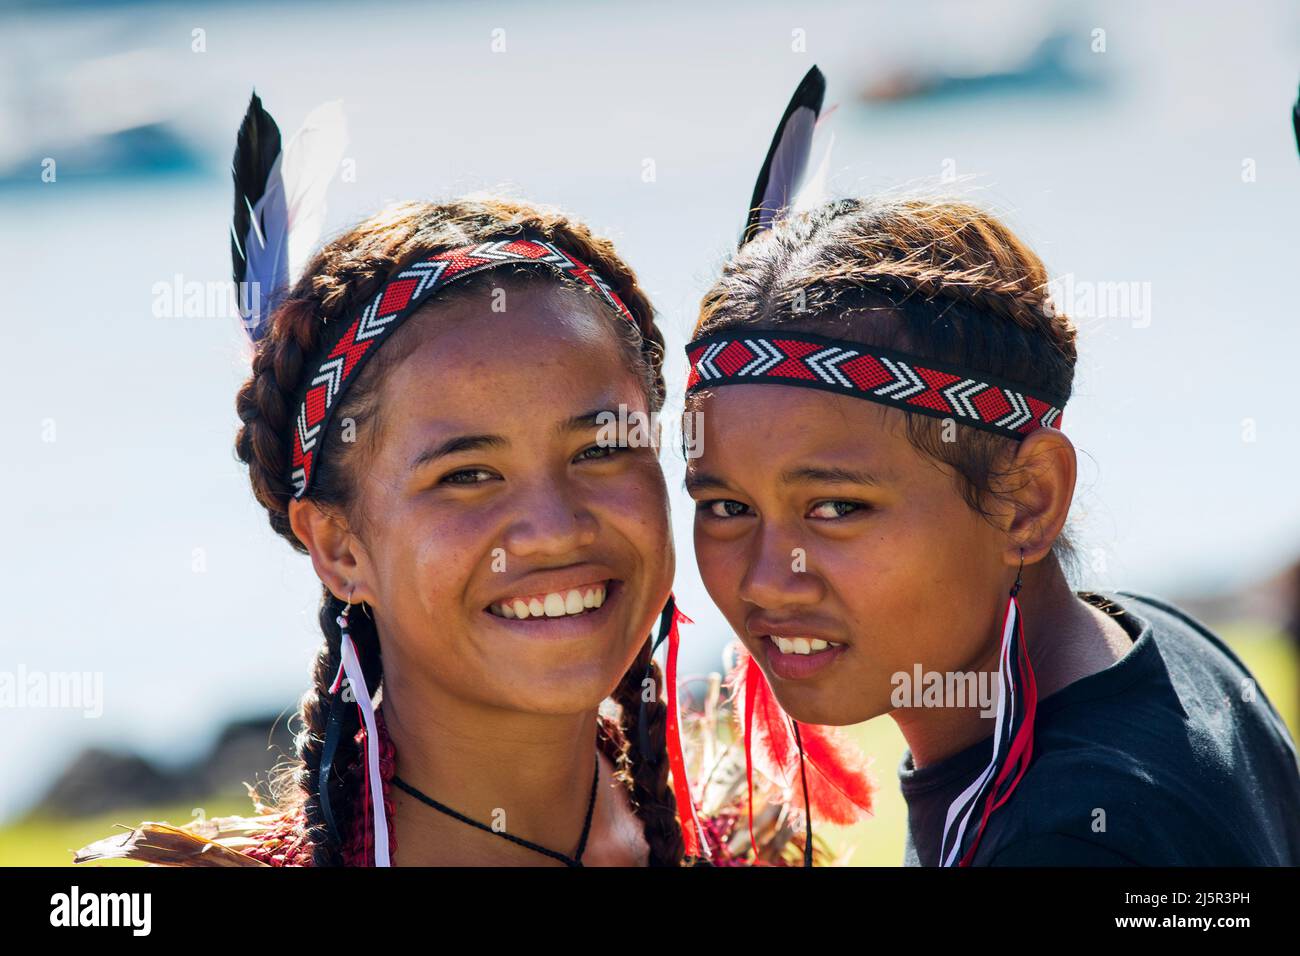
1161,759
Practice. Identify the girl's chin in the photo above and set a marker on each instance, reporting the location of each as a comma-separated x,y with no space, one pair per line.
555,692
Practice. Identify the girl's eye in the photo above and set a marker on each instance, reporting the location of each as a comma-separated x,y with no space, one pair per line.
468,476
724,508
829,510
597,452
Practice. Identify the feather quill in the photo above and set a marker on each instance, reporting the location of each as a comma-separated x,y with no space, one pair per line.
164,845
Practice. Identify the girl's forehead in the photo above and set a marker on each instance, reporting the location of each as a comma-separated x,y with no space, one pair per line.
786,421
538,364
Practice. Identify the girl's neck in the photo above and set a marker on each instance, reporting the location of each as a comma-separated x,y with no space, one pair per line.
1068,639
529,775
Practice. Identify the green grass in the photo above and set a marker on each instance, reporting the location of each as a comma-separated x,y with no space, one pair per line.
39,840
44,841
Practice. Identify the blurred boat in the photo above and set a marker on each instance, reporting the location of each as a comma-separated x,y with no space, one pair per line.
112,116
1052,62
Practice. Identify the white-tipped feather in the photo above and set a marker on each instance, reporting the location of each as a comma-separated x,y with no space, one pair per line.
309,163
292,210
788,163
816,190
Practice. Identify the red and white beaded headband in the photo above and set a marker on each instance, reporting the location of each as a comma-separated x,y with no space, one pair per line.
403,294
938,389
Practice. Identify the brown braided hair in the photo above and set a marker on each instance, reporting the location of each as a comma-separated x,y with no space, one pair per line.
345,274
940,279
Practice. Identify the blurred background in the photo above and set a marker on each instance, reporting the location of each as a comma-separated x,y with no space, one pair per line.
1145,151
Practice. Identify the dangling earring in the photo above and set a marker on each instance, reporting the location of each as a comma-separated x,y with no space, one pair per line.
1013,736
350,665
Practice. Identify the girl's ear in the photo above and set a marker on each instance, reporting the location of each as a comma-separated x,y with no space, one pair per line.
337,554
1041,488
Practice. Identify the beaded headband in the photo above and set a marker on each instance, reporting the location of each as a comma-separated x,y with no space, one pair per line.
938,389
347,350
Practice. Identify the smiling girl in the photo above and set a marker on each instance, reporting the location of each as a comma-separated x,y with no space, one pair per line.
508,564
425,418
881,496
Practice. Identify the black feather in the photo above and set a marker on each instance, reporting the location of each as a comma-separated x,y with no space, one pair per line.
1295,121
256,149
809,95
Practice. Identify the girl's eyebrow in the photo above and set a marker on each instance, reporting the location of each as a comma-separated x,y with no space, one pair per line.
588,420
457,444
811,474
462,443
697,480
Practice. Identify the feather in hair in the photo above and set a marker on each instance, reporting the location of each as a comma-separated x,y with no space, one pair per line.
279,203
787,158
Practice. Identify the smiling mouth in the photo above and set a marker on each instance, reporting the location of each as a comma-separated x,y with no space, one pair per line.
570,602
801,645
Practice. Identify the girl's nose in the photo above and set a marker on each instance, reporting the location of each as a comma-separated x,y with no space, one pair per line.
550,520
777,573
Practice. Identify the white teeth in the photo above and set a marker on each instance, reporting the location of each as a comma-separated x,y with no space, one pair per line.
801,645
553,604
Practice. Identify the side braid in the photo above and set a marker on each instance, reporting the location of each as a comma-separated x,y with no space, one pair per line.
646,774
310,741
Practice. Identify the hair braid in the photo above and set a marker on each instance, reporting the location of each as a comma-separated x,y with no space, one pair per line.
314,713
646,774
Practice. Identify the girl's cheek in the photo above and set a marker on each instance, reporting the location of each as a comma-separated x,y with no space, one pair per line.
638,501
442,555
721,569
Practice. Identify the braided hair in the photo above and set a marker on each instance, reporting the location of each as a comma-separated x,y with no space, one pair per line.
940,279
345,274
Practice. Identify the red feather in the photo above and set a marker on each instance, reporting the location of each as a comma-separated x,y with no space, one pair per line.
840,785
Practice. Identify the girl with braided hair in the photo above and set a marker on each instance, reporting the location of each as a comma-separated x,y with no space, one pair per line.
457,569
428,418
888,555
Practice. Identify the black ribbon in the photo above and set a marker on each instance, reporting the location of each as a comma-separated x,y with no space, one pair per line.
333,731
665,625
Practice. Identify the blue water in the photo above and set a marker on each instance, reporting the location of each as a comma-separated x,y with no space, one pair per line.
1133,177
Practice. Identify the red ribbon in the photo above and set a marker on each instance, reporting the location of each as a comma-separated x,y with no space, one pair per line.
692,836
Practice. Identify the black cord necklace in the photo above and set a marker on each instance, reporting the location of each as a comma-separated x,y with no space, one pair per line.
571,861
